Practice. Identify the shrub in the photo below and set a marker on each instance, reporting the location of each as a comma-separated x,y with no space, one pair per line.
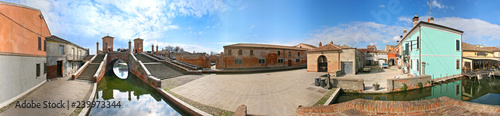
420,85
404,88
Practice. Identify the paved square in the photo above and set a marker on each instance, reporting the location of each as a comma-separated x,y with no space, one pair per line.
273,93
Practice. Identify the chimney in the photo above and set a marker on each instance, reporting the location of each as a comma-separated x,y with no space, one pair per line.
129,46
156,49
152,48
331,42
319,44
431,20
415,20
97,47
404,32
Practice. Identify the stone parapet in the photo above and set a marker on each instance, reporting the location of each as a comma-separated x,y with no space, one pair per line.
348,84
436,106
411,83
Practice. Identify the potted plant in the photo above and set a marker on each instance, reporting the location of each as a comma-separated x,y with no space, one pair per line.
376,86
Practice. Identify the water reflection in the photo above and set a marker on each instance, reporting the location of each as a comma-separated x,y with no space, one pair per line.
136,97
484,91
120,69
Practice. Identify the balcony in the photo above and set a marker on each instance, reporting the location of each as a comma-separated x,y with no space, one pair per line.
74,57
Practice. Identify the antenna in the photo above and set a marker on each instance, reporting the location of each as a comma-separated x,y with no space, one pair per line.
430,7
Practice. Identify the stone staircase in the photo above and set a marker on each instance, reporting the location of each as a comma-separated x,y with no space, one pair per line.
163,71
158,69
143,59
90,70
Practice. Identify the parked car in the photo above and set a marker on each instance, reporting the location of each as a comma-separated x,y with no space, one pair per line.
382,63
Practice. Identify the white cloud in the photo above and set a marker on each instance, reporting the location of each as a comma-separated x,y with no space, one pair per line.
381,6
251,27
475,30
436,4
196,8
359,32
187,48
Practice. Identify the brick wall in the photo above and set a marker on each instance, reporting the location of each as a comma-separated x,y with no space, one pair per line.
436,106
198,59
411,83
250,57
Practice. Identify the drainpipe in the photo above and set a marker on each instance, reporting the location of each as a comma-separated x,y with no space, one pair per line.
423,68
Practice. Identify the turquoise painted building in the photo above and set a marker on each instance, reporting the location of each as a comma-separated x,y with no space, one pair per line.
438,46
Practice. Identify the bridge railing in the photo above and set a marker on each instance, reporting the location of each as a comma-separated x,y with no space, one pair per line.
80,70
101,70
136,66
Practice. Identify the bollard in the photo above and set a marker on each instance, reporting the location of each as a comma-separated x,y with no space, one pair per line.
323,83
316,81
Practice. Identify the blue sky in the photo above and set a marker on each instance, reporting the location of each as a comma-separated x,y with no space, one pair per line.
207,25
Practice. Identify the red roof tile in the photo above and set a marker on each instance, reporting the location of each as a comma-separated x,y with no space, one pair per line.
327,47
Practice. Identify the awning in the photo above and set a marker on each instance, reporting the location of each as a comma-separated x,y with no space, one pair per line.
483,58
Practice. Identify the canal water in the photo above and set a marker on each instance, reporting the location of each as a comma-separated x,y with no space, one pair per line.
135,96
483,91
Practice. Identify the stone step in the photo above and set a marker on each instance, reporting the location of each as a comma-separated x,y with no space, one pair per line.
143,58
163,71
99,58
89,71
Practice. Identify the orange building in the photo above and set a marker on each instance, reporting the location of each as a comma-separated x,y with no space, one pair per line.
22,50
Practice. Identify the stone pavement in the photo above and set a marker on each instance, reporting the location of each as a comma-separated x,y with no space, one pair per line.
52,91
377,76
273,93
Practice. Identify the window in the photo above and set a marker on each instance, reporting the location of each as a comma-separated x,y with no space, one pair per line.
37,70
289,54
280,60
61,49
418,42
251,52
237,61
458,64
298,53
262,61
44,45
411,45
457,45
418,65
240,52
39,43
297,60
279,53
229,52
44,68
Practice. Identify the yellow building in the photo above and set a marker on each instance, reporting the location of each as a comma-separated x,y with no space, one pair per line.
478,57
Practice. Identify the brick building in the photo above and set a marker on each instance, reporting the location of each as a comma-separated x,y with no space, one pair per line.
325,58
22,50
138,45
107,43
198,59
244,55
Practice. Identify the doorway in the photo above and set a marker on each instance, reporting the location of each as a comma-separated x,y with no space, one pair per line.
322,64
59,68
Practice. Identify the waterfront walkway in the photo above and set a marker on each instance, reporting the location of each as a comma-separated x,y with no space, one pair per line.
377,76
52,91
272,93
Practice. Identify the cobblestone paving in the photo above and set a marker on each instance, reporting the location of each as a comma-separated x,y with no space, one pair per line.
274,93
59,89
